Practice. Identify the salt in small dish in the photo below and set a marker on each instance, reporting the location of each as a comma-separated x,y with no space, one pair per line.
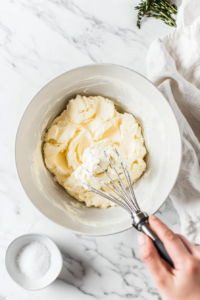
11,265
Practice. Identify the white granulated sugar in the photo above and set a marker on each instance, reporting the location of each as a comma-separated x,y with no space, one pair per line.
34,260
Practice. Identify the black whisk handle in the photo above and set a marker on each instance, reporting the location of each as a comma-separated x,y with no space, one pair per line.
162,251
157,243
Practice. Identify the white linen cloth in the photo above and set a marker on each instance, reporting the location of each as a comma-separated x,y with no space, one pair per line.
173,65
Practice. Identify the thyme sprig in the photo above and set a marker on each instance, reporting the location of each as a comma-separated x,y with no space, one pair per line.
159,9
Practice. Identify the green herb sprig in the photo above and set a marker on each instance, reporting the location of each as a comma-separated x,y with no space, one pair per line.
159,9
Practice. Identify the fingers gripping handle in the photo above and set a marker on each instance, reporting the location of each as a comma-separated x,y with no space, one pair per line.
157,243
140,222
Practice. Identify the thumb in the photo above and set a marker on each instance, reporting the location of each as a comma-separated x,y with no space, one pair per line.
158,268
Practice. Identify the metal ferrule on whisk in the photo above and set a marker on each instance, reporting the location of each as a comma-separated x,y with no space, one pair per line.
139,218
140,222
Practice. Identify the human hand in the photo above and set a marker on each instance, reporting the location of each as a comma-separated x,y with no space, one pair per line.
181,283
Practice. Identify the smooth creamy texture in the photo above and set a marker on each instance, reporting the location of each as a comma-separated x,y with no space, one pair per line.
78,138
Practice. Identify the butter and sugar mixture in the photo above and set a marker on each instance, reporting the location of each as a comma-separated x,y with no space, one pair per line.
79,138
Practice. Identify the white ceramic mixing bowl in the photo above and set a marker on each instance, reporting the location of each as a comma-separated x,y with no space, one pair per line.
132,93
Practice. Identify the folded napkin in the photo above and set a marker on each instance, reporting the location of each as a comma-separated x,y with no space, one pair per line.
173,65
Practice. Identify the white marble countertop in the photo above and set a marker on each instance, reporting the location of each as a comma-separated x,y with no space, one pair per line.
39,39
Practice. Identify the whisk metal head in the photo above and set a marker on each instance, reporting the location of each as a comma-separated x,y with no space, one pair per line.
119,194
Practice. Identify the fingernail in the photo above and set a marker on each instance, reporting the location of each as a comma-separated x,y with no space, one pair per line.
153,217
141,239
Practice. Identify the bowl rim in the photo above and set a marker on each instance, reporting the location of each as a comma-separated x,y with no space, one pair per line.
77,68
28,235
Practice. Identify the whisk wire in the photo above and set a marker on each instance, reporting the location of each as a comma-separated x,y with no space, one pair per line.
110,197
124,197
128,179
128,199
125,175
132,191
117,201
114,184
100,180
